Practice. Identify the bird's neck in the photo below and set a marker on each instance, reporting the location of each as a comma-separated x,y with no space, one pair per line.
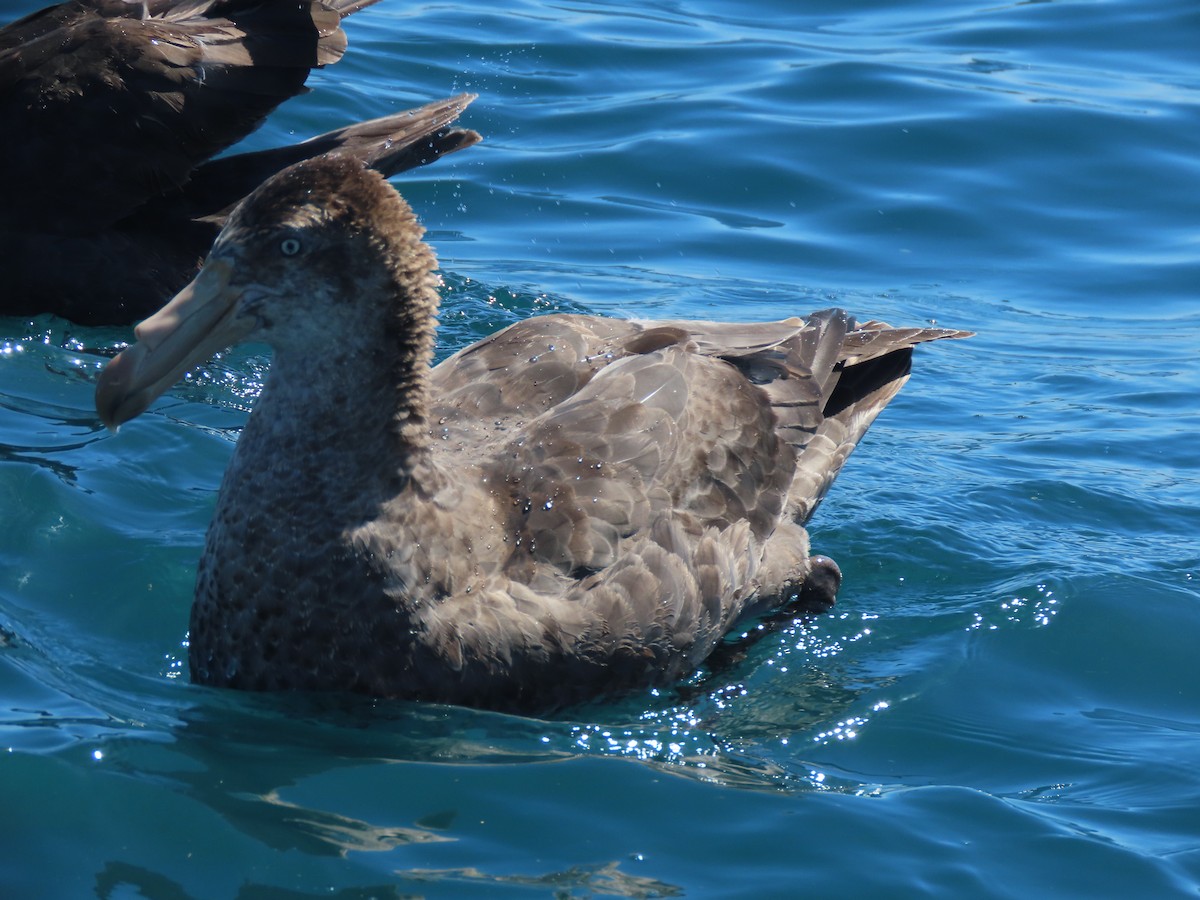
361,407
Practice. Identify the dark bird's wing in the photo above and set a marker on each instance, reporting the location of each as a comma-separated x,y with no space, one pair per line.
390,145
106,103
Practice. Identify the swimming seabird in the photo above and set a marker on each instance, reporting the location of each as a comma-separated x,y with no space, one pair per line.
572,507
111,112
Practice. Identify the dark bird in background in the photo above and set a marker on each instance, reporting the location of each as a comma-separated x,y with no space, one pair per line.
573,507
111,112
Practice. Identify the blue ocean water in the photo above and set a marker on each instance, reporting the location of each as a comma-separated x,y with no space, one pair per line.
1004,702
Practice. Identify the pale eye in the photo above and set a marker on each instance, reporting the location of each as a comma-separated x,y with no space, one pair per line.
289,246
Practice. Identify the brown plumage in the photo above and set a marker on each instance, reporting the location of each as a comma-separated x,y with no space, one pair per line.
572,507
111,112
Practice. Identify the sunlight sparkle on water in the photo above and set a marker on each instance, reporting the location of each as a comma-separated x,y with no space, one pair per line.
844,730
1040,610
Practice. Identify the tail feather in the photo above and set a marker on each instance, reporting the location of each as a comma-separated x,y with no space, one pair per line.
827,378
873,362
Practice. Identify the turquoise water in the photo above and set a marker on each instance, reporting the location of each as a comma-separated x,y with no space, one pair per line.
1004,702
